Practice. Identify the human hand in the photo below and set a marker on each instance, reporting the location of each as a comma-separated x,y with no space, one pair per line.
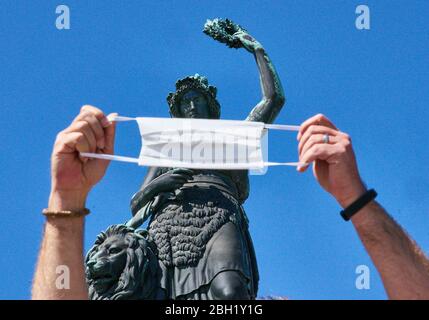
334,160
73,176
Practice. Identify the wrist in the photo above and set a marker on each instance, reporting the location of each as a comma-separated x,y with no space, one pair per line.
365,215
358,205
259,49
347,198
67,200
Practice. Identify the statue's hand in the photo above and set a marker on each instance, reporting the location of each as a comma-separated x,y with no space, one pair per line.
232,34
247,41
163,186
160,199
169,181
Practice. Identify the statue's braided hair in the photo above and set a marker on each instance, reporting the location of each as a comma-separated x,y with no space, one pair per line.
197,83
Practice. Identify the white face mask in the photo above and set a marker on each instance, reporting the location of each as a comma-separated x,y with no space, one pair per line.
202,144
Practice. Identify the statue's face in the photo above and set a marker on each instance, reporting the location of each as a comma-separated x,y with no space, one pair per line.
194,105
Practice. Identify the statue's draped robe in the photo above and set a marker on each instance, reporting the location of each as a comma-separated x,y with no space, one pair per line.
202,231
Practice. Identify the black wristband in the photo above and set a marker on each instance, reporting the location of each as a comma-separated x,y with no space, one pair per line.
361,202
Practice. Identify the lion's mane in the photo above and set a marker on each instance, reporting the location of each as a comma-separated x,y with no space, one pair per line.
138,279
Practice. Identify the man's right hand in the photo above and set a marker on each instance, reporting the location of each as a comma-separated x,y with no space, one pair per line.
73,176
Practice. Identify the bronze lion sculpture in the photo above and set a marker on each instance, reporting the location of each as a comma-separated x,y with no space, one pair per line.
123,264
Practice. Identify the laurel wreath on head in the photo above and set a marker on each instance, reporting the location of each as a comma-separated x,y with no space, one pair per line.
223,31
198,83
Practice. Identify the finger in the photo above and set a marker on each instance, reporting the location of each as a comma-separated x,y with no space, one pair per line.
179,178
317,152
137,197
73,142
109,136
97,128
312,130
183,170
96,118
185,176
317,139
84,127
99,114
177,186
318,119
157,201
83,145
66,142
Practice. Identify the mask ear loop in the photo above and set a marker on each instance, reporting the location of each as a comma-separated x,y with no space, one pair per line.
283,127
110,156
119,118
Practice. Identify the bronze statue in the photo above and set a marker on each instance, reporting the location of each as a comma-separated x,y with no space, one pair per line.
196,218
123,264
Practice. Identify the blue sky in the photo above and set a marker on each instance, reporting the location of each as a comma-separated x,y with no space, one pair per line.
125,56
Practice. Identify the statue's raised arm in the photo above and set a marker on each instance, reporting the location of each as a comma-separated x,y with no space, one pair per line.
235,36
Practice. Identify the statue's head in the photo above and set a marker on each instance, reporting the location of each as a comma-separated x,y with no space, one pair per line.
194,98
122,264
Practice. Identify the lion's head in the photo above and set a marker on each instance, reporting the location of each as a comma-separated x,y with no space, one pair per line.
122,264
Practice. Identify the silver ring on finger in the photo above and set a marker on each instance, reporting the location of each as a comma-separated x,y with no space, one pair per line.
326,138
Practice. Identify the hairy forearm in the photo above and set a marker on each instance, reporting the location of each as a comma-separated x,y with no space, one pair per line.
403,267
60,269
